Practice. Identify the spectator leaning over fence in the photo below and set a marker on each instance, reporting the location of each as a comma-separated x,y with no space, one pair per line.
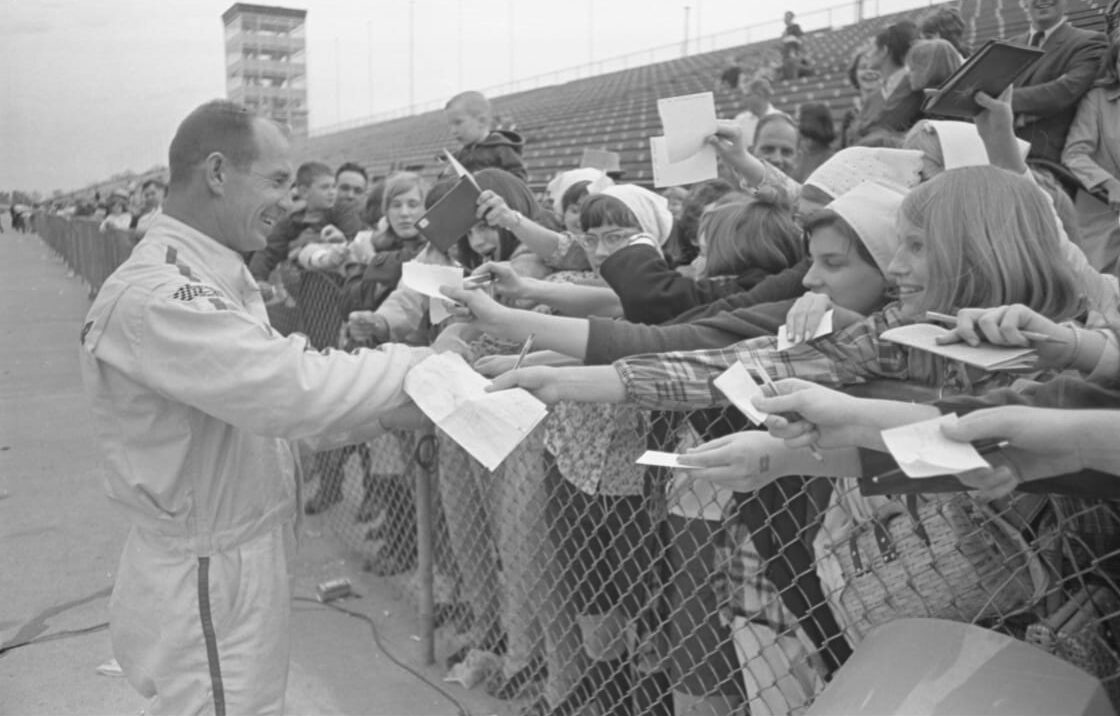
119,216
471,121
1046,94
202,408
1092,153
350,183
153,191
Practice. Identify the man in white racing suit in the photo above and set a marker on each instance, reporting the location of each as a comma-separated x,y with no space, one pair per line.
201,408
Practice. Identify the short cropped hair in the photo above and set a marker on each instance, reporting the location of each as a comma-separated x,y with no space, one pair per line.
760,87
351,167
309,172
815,122
897,39
473,102
217,126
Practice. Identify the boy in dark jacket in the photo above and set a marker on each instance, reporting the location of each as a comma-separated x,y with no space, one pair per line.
470,119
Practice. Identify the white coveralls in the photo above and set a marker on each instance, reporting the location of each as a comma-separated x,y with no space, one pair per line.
199,405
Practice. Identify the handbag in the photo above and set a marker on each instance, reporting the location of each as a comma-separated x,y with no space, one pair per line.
945,556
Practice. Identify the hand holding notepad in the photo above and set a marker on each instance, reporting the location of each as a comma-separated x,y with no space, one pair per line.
924,337
922,450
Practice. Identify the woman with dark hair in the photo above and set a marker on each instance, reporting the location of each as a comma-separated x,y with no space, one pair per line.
817,133
1092,153
944,23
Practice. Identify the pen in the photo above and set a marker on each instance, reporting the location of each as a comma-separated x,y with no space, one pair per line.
774,392
482,279
524,351
1032,336
983,447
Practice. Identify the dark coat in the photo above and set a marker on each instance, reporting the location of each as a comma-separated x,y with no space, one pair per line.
1046,96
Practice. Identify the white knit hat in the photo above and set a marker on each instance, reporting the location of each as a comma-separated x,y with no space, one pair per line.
849,167
871,209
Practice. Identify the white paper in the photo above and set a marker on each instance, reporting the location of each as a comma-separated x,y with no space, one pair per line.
739,387
460,170
924,337
687,121
663,459
701,166
426,279
922,450
823,329
487,425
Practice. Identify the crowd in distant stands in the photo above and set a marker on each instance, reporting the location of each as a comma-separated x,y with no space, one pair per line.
637,300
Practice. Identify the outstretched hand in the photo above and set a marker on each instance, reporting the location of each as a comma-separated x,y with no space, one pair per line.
542,381
740,461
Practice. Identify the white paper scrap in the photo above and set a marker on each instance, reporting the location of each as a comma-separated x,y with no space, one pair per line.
739,387
663,459
687,121
701,166
922,450
823,329
487,425
426,279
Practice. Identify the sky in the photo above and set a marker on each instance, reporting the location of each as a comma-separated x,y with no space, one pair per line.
92,88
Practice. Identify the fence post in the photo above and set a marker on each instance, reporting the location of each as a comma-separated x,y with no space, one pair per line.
426,457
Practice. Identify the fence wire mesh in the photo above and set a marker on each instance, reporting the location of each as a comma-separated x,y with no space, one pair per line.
599,586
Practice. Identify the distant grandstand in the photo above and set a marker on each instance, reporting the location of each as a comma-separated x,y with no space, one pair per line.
618,111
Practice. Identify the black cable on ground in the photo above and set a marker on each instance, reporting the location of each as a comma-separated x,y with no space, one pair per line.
55,636
460,709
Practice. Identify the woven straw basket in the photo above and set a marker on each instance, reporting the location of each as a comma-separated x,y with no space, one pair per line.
941,556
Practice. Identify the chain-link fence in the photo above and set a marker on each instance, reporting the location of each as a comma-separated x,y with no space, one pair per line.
579,580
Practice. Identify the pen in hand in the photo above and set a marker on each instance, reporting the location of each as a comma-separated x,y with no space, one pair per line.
524,352
771,391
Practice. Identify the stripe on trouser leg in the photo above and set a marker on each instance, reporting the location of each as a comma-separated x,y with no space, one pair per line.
208,635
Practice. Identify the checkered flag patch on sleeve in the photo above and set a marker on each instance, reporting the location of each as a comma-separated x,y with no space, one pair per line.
191,291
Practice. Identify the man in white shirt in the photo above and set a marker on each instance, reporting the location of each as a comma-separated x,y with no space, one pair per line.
152,192
756,97
202,409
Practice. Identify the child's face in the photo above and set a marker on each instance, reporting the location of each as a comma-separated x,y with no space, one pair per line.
484,240
838,272
403,211
320,193
466,127
910,269
571,218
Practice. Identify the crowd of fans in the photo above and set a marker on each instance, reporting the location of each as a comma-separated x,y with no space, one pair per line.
636,301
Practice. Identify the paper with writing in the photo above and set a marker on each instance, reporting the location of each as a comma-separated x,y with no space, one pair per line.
426,279
487,425
823,329
739,387
922,450
663,459
701,166
923,336
687,121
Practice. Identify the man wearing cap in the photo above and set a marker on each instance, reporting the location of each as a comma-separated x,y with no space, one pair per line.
202,408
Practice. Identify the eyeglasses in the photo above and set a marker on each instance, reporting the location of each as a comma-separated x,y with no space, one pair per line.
590,242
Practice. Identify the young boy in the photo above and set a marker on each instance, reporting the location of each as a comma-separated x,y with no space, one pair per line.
470,119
